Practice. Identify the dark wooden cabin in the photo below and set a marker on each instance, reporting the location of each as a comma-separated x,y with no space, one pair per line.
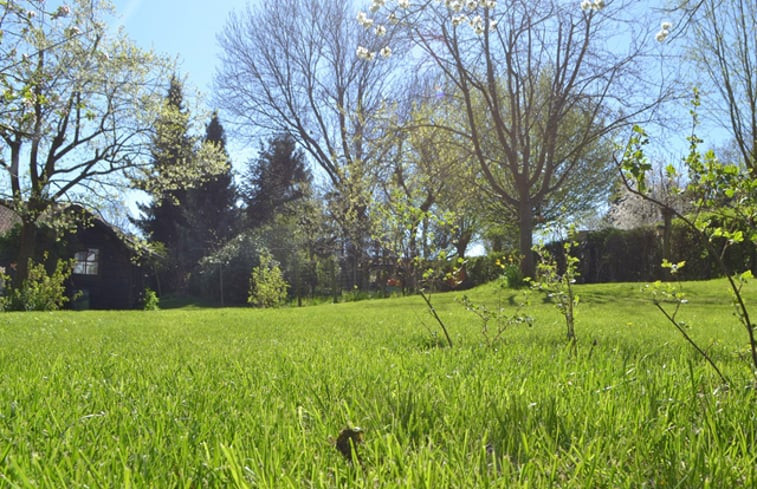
105,275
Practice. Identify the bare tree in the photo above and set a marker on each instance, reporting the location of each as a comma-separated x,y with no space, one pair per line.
293,69
543,85
725,50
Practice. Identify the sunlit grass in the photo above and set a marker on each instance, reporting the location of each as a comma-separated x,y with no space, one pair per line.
251,398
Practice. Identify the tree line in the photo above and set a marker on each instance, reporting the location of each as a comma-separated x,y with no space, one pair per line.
394,134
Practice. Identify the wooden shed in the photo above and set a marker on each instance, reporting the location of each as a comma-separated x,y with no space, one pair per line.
105,274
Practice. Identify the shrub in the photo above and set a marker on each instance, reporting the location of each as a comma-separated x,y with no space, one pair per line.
40,291
267,285
150,300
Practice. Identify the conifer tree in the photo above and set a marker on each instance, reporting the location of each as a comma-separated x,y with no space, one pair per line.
209,210
172,149
277,178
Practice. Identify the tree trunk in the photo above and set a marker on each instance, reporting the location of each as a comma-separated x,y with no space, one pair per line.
27,247
525,230
462,243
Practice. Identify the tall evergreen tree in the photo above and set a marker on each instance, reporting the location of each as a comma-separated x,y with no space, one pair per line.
209,210
172,148
277,178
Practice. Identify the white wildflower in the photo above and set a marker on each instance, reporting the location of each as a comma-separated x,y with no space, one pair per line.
385,52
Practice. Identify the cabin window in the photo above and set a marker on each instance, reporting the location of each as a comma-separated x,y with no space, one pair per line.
87,262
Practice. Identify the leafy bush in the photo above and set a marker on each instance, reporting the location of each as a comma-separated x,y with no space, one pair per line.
267,285
150,300
482,269
40,291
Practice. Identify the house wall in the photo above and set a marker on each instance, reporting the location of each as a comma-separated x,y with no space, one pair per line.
117,283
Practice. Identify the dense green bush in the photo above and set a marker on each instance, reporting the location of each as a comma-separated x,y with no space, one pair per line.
150,300
267,285
40,291
615,255
482,269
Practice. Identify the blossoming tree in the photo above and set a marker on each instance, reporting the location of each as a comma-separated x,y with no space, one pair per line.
79,106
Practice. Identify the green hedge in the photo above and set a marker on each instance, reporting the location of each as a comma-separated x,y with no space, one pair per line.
614,255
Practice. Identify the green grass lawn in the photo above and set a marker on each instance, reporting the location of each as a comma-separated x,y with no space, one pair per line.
252,398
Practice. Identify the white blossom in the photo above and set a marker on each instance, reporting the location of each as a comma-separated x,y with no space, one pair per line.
662,35
393,19
385,52
404,4
377,4
586,5
666,26
454,5
363,20
380,30
365,53
458,19
477,23
490,4
493,25
62,11
598,4
472,4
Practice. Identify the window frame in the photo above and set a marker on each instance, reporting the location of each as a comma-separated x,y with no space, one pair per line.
85,266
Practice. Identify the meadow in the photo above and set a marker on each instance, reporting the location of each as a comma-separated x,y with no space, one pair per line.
197,397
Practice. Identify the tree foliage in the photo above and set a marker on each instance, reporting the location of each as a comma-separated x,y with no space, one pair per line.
293,70
267,285
78,109
538,87
275,181
725,51
209,210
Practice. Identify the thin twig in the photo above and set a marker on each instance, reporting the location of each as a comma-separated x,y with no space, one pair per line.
436,316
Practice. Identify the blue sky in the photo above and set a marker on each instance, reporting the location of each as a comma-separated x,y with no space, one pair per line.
185,30
180,28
